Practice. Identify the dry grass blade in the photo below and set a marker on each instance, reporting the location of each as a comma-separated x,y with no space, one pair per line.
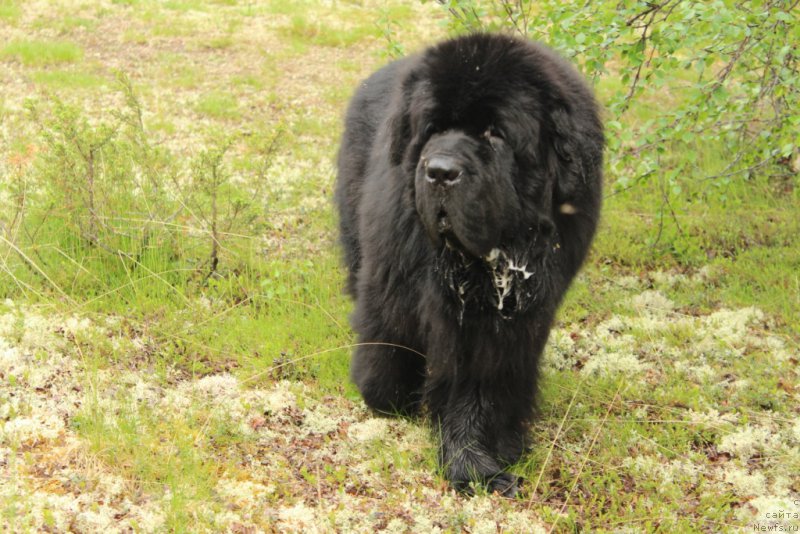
586,457
38,269
553,444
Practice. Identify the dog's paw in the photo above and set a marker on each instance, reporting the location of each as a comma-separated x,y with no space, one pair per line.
505,484
495,480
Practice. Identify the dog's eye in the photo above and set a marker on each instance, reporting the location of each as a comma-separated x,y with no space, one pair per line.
493,132
429,130
494,137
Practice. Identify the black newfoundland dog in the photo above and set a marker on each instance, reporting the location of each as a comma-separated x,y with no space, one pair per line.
468,192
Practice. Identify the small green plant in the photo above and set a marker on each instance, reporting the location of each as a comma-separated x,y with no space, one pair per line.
388,26
223,205
76,168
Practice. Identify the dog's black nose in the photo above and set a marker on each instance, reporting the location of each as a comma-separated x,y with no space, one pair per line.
442,170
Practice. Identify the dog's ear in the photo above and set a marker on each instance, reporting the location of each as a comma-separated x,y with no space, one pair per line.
578,144
399,133
399,124
566,143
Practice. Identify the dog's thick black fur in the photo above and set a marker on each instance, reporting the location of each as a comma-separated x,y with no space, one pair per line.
469,190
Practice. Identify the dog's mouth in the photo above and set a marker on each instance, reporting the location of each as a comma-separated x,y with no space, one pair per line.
443,224
444,227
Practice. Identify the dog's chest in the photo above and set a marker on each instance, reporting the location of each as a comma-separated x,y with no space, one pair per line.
501,284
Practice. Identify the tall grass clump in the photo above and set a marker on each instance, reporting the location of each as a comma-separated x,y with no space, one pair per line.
100,208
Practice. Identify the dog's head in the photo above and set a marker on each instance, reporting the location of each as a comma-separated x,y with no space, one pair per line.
484,124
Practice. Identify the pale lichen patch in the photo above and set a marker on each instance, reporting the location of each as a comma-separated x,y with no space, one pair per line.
369,430
748,441
609,363
731,326
320,420
299,517
744,482
652,302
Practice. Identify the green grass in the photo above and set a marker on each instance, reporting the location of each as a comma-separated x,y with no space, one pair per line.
38,53
219,106
181,74
10,11
174,28
159,454
307,31
64,22
66,79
